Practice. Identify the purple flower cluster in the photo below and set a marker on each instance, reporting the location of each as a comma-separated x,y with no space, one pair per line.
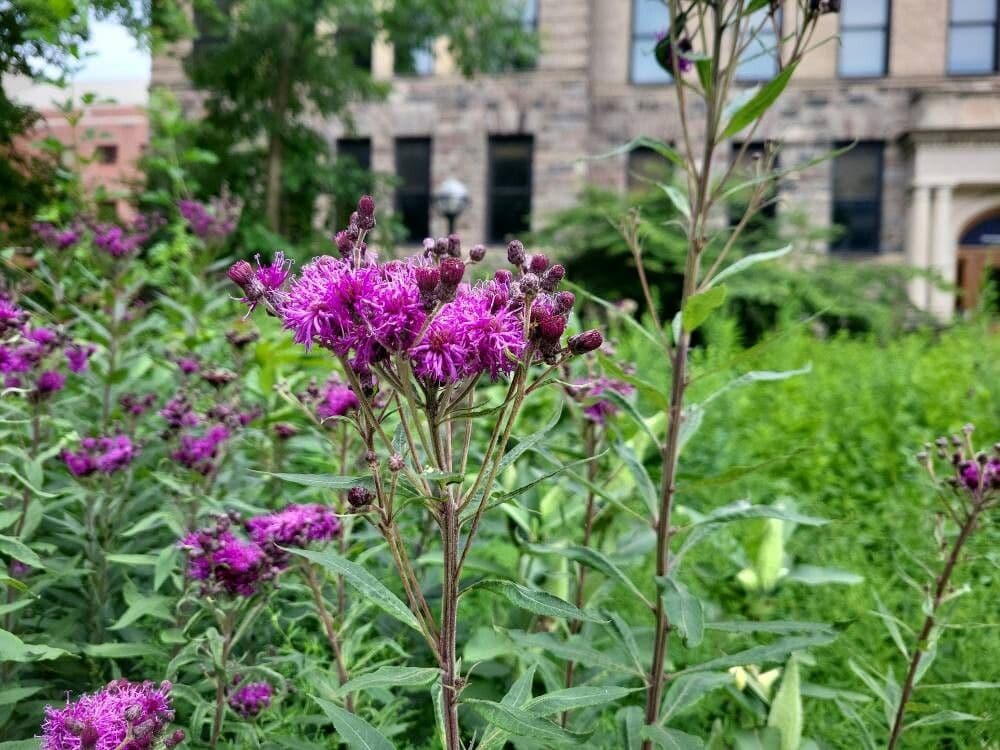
122,715
215,220
101,454
31,354
135,405
263,283
60,238
198,452
597,406
335,399
420,309
225,563
250,698
116,241
976,474
293,526
981,474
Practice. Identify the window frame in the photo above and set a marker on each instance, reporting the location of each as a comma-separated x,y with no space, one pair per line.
995,65
402,188
878,199
491,188
633,36
886,48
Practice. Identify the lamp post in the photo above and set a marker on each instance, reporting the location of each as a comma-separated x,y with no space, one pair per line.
450,200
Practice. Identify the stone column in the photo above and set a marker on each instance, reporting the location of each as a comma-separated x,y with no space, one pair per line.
918,243
943,254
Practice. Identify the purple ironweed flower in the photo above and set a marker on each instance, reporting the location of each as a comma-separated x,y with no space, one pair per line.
598,409
18,569
218,377
53,236
49,382
294,525
263,283
77,357
337,400
177,413
214,220
188,365
250,698
122,715
980,474
224,562
137,405
11,316
115,241
105,454
197,452
285,430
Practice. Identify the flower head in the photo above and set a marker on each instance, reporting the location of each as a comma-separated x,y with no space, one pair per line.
598,407
250,698
122,715
104,454
336,400
223,562
77,357
198,452
295,525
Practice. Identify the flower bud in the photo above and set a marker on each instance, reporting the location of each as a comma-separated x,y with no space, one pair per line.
371,458
503,276
552,277
366,206
396,462
441,246
344,242
565,301
241,273
454,245
585,342
132,713
359,497
477,253
530,284
427,278
174,740
74,726
452,270
89,737
538,263
551,327
515,253
428,244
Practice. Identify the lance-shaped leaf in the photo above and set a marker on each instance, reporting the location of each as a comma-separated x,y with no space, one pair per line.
20,551
743,509
752,109
786,708
572,649
643,482
390,677
357,733
365,583
534,600
520,723
575,697
671,739
14,649
518,694
594,559
699,306
750,260
683,609
687,690
325,481
778,651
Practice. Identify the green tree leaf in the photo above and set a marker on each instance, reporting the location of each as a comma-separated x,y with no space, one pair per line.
365,583
357,733
758,103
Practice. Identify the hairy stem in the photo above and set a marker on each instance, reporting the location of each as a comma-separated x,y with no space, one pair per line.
449,625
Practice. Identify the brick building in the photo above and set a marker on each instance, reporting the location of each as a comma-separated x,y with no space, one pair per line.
914,82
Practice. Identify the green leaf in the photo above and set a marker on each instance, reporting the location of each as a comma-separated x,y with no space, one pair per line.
518,694
756,376
699,306
366,584
742,510
592,558
33,744
326,481
963,686
14,649
390,677
786,708
703,66
629,408
534,600
8,517
132,560
520,723
678,198
942,717
20,551
643,482
813,575
15,695
623,632
769,626
749,260
671,739
663,149
687,690
764,738
631,721
758,103
765,654
575,697
121,650
571,649
684,610
357,733
146,606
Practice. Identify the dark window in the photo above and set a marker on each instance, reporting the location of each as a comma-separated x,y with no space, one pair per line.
650,18
759,62
509,186
413,59
864,38
354,160
645,168
857,197
106,153
972,36
746,169
413,194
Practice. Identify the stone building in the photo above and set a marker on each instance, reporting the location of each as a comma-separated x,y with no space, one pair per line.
914,83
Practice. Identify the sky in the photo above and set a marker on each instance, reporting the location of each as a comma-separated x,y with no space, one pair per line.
114,55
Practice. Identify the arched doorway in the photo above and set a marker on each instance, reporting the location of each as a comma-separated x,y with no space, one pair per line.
978,257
